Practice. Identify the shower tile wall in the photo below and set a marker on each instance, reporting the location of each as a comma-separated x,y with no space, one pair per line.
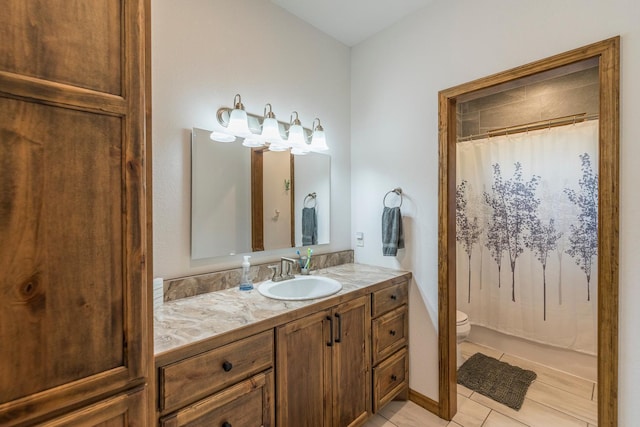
557,97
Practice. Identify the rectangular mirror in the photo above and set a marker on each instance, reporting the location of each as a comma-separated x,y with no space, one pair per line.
247,200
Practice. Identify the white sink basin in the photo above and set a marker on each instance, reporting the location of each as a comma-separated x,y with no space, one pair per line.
300,288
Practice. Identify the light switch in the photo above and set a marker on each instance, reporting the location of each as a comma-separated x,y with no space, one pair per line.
359,238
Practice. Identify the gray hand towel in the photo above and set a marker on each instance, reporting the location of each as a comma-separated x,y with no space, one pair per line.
309,227
392,234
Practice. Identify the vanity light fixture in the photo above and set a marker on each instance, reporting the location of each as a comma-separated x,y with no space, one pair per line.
257,131
318,140
238,123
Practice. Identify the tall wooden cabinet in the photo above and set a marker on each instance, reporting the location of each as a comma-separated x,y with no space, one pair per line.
74,322
323,375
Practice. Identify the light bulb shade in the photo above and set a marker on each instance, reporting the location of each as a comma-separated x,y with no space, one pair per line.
296,137
221,137
318,141
253,141
271,131
238,124
278,147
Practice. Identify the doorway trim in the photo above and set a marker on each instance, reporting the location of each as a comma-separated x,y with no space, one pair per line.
608,54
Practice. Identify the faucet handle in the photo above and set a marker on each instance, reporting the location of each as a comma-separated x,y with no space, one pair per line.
274,272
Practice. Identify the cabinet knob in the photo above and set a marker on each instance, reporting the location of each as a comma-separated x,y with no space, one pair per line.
227,366
392,333
226,424
393,378
394,297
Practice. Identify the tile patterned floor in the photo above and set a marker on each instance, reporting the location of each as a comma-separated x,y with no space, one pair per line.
555,399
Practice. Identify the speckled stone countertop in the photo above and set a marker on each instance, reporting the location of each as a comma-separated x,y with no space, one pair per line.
189,320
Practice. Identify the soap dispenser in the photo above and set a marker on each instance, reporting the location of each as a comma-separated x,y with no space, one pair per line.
245,282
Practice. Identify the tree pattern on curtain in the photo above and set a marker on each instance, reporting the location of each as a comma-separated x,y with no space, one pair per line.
468,230
514,206
583,241
514,223
541,240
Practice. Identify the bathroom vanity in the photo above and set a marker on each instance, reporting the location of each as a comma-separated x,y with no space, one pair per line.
232,358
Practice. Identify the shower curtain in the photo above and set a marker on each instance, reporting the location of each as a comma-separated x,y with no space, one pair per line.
526,231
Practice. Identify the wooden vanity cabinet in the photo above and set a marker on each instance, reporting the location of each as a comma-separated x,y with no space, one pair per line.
330,366
390,336
323,373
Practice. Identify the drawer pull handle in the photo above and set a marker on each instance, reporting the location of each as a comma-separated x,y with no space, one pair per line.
392,333
339,337
330,343
394,297
227,366
226,424
393,378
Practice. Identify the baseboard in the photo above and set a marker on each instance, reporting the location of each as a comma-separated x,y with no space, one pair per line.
425,402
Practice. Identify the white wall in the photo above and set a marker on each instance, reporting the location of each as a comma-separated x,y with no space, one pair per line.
396,76
203,53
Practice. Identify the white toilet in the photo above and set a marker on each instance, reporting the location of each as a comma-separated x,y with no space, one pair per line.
463,327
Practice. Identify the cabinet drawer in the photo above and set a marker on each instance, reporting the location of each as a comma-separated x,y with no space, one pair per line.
389,298
246,404
190,379
390,333
390,378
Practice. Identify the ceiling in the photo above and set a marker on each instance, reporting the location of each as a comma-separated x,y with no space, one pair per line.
351,21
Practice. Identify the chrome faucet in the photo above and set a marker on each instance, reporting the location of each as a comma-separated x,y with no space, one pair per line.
286,267
286,270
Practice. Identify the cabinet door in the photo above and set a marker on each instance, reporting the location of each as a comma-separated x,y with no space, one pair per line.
303,372
351,385
73,319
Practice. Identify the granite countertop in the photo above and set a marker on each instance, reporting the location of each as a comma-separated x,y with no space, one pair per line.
189,320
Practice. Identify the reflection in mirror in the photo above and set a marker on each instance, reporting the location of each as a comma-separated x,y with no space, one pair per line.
312,191
271,199
245,200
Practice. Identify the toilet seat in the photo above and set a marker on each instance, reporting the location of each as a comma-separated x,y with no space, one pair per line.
463,328
461,317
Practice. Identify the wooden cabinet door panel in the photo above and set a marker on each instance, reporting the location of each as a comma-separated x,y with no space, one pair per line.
76,42
304,372
73,205
124,410
62,250
351,362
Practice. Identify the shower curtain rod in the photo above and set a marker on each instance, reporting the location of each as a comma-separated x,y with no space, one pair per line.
541,124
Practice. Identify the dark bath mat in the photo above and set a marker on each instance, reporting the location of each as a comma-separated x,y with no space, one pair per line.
498,380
